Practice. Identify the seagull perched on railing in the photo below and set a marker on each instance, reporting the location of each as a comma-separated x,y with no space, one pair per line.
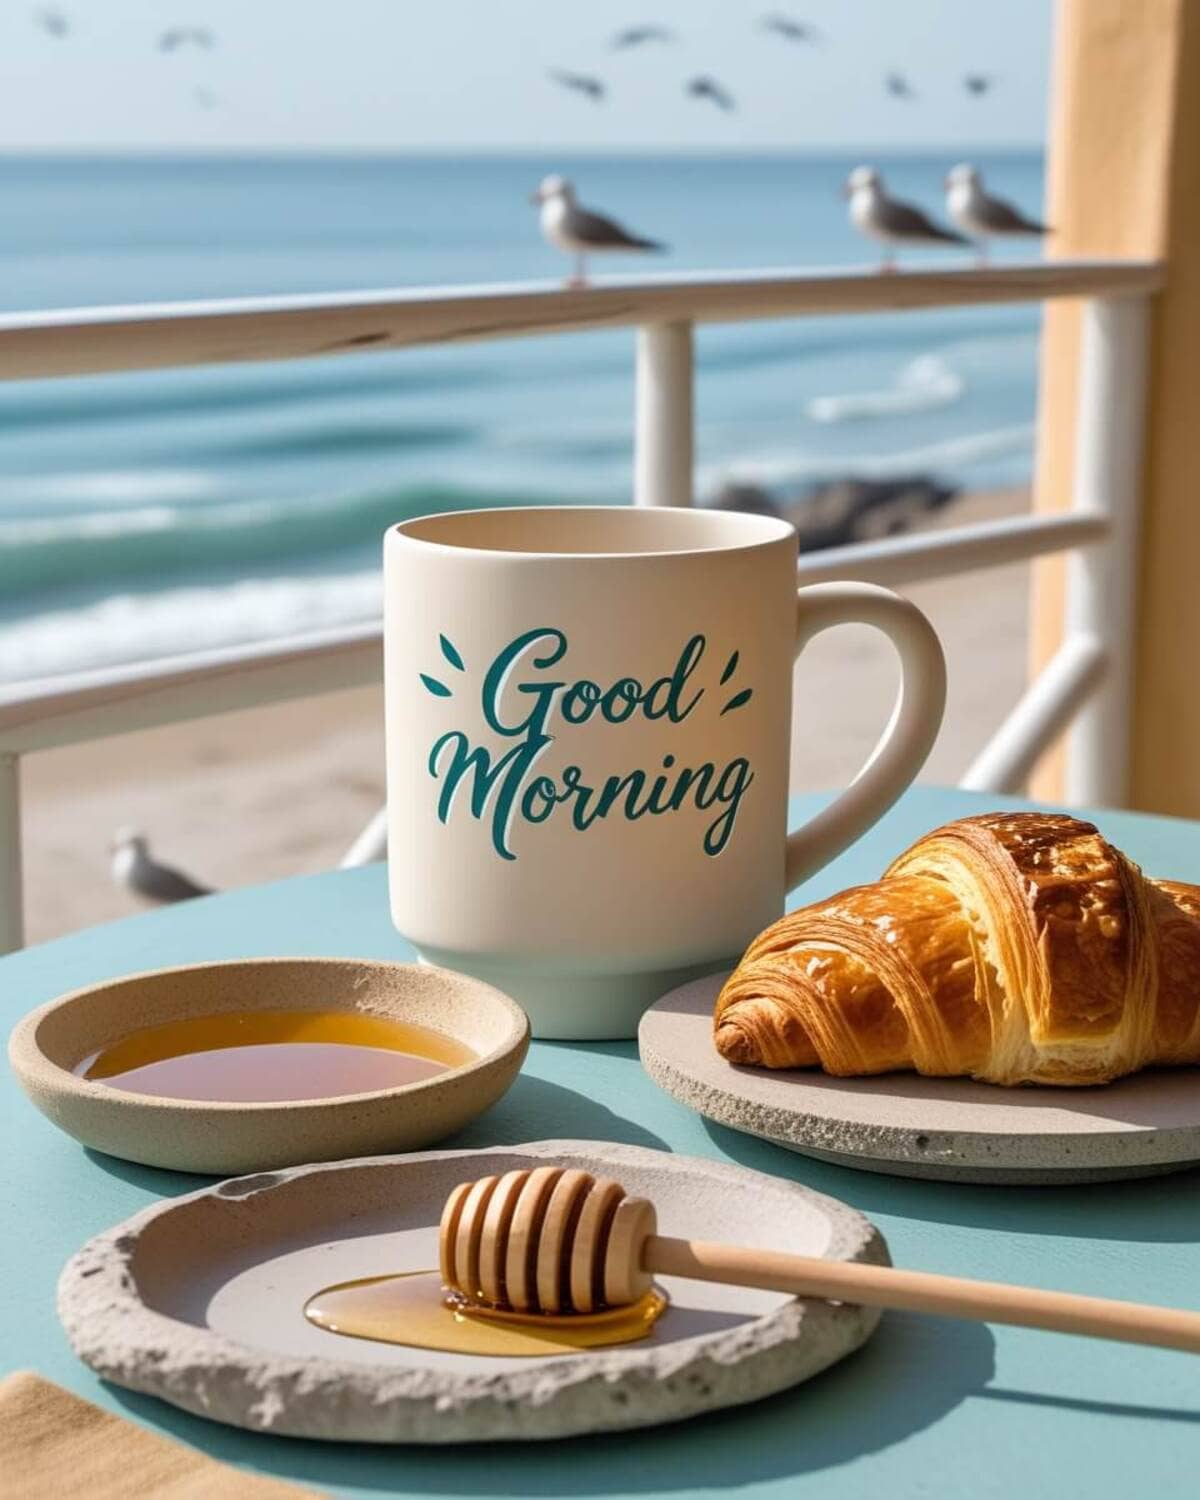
135,868
577,230
980,215
888,220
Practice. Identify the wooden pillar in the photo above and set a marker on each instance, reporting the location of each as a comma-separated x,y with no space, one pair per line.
1124,180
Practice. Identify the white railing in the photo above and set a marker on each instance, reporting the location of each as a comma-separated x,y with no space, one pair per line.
1086,688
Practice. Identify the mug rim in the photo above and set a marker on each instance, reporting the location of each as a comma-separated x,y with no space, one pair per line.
746,530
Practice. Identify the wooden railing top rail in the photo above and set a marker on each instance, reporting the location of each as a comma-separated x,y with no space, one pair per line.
81,341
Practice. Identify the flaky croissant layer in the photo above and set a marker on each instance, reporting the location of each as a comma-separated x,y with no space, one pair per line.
1014,947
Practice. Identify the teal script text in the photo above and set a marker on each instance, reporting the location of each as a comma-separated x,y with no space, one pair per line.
523,696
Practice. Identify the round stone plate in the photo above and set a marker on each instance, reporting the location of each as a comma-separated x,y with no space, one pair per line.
909,1126
199,1300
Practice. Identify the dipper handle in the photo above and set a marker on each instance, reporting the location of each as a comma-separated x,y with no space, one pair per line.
921,1291
558,1240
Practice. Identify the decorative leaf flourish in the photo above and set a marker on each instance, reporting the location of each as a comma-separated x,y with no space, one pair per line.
738,700
450,652
730,668
438,689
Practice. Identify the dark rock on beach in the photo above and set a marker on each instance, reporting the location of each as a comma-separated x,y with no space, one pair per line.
845,510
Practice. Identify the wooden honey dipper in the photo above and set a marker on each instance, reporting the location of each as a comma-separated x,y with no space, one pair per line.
557,1240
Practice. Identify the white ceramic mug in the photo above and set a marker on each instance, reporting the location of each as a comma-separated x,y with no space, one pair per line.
588,722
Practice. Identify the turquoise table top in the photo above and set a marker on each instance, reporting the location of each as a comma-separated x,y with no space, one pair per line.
928,1408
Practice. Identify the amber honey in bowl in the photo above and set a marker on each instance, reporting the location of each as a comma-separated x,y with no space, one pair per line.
264,1056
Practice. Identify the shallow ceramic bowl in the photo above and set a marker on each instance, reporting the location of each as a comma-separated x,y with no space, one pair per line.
190,1136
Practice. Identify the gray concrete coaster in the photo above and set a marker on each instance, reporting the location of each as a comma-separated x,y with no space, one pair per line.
199,1300
909,1126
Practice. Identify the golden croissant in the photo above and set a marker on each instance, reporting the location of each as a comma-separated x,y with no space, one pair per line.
1015,947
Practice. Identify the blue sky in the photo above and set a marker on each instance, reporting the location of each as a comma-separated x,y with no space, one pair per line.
388,75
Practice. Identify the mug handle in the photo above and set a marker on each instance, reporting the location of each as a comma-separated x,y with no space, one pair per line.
910,732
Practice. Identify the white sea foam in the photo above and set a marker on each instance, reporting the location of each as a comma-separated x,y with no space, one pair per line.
107,486
923,384
136,627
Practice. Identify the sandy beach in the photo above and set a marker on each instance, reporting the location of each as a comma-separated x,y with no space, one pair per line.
259,795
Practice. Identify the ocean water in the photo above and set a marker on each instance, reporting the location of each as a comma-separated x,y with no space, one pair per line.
147,514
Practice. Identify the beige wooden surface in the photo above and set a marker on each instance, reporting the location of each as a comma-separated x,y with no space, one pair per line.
88,340
1124,180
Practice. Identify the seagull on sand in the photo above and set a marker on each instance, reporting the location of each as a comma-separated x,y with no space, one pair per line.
636,36
134,867
577,230
705,87
981,216
887,219
580,83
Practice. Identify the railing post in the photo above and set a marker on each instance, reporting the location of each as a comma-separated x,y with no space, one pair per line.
1102,581
11,896
664,432
1047,707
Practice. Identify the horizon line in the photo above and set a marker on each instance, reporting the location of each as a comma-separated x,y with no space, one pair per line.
512,153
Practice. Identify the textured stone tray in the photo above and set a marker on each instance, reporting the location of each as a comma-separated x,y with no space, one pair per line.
199,1300
909,1126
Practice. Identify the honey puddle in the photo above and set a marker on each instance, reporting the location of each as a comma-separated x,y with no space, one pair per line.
414,1309
263,1056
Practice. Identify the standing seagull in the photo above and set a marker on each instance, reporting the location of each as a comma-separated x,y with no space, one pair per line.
980,215
580,83
888,220
135,868
705,87
577,230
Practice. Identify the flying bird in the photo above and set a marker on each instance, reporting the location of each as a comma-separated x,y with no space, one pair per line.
580,83
888,220
53,22
204,98
898,86
137,870
578,231
637,36
981,216
978,83
176,37
792,30
705,87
